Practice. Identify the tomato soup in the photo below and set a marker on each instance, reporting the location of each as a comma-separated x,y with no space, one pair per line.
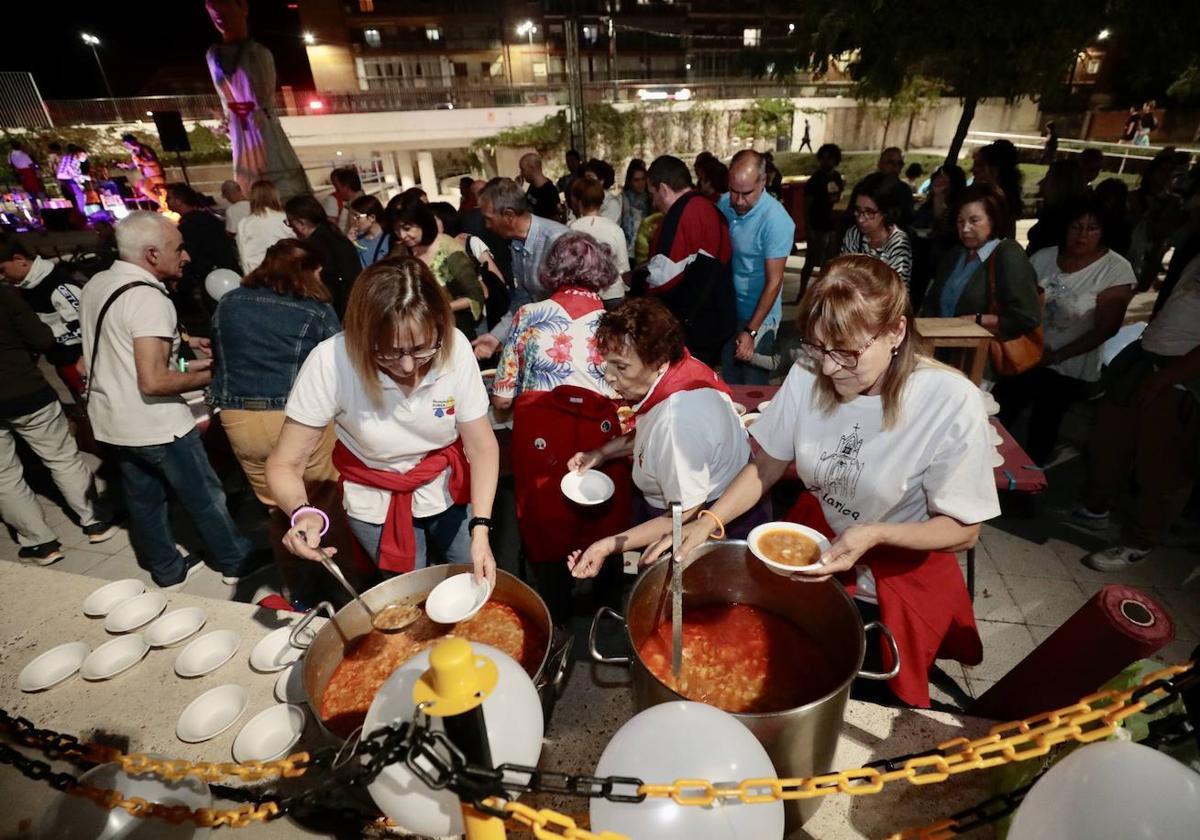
788,547
741,658
371,659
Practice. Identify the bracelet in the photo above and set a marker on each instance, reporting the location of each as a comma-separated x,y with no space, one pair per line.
182,365
316,510
716,519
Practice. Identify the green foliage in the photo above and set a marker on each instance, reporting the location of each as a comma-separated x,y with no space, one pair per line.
103,145
615,134
766,119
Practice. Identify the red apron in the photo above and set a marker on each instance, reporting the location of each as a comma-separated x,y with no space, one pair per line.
922,600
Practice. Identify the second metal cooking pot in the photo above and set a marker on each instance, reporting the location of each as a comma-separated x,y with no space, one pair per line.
800,741
325,651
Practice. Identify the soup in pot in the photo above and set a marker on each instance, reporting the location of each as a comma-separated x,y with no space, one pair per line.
741,658
371,659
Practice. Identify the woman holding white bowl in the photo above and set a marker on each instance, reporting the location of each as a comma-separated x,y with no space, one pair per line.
893,450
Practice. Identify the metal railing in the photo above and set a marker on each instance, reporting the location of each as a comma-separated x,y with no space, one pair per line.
1124,152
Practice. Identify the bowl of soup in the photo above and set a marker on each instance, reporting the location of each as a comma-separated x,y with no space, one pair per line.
787,547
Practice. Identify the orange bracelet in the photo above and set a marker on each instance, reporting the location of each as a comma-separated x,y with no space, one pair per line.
720,524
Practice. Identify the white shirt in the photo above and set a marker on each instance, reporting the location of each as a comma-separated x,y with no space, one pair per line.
688,448
20,159
401,431
234,213
607,233
611,208
256,233
120,413
935,461
1175,330
1070,306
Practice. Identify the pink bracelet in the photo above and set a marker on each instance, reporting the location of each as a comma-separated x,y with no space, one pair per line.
318,511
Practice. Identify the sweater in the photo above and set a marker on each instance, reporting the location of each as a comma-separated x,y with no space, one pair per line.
1018,305
23,389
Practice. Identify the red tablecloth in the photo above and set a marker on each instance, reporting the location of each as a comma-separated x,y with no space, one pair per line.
1018,473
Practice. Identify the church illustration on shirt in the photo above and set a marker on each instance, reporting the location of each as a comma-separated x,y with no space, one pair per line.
838,472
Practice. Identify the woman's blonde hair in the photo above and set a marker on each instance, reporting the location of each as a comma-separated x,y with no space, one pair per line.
857,297
385,297
264,197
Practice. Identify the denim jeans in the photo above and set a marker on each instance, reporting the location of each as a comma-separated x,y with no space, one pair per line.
445,533
182,465
743,373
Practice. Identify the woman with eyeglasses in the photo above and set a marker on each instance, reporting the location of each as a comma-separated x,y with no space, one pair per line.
366,230
1087,290
893,450
415,446
416,227
876,231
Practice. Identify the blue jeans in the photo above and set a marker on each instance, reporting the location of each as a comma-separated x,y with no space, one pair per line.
445,532
742,373
182,465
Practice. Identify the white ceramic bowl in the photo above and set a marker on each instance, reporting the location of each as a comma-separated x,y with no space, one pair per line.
135,612
748,419
590,488
739,408
457,598
207,653
175,626
103,600
269,734
762,406
273,652
803,530
289,685
111,658
211,713
53,666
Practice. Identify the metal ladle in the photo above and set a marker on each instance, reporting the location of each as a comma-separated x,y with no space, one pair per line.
391,619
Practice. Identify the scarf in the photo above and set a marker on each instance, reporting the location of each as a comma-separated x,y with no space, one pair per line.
688,374
577,302
398,546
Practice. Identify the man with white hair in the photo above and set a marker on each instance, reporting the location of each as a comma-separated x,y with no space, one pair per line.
132,344
239,205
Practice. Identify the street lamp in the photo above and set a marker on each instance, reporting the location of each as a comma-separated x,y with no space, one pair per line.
1103,36
309,38
527,28
93,42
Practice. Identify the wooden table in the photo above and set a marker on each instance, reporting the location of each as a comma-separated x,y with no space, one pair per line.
971,338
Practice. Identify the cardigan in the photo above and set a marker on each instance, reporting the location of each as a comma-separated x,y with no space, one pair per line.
1019,307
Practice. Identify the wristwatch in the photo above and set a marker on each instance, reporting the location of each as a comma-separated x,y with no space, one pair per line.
752,333
979,318
485,521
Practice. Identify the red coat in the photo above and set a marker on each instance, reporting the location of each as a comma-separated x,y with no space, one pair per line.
922,600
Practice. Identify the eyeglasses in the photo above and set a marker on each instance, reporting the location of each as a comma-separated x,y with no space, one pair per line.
847,359
865,213
1076,228
396,354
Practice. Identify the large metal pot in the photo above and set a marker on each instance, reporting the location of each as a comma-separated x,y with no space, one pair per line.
324,652
800,741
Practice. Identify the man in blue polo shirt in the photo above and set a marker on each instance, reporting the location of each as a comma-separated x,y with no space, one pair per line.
763,235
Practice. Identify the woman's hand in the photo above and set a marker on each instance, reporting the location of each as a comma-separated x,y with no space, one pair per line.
587,563
584,461
200,345
846,550
304,538
481,557
695,534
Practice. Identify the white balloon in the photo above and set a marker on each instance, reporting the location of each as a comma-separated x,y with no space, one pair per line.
684,740
1112,789
512,712
221,281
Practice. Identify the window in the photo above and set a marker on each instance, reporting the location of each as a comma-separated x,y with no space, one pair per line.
539,69
751,37
366,5
433,33
460,68
371,37
1093,66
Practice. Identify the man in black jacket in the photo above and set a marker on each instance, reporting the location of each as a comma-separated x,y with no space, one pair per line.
30,408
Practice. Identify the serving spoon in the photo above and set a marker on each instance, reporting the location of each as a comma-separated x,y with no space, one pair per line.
391,619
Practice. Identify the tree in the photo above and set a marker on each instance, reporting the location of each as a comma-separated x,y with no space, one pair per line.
1010,49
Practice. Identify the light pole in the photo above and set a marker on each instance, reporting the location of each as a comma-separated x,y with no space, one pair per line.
527,27
93,42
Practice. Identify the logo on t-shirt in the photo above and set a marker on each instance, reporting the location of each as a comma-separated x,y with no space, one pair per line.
838,473
443,408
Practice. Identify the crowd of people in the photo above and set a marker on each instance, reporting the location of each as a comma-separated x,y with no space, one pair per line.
360,368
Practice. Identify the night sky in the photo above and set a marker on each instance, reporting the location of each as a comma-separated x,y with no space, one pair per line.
149,47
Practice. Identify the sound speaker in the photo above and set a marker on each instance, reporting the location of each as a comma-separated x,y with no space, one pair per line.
57,219
171,132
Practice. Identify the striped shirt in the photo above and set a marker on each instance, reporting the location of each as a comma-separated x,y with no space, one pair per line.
896,252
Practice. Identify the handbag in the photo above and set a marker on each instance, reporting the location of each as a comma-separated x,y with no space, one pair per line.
1016,355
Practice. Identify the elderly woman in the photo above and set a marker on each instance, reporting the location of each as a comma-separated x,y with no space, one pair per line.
876,231
688,442
1088,288
409,409
988,278
894,452
416,227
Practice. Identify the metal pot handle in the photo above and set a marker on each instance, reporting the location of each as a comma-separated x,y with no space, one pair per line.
891,643
557,667
300,626
597,656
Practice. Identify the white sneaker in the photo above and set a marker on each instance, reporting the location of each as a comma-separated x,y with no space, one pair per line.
1089,519
1116,558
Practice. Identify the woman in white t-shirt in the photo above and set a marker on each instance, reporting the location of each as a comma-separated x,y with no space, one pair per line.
1087,289
265,225
687,442
893,450
587,197
409,409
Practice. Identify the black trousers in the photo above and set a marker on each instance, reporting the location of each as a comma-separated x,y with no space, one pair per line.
1047,395
553,581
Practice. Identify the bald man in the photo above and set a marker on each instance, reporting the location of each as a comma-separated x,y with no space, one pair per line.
542,195
763,235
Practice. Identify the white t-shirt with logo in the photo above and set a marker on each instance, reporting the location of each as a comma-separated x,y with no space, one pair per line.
399,432
688,448
935,461
1070,306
